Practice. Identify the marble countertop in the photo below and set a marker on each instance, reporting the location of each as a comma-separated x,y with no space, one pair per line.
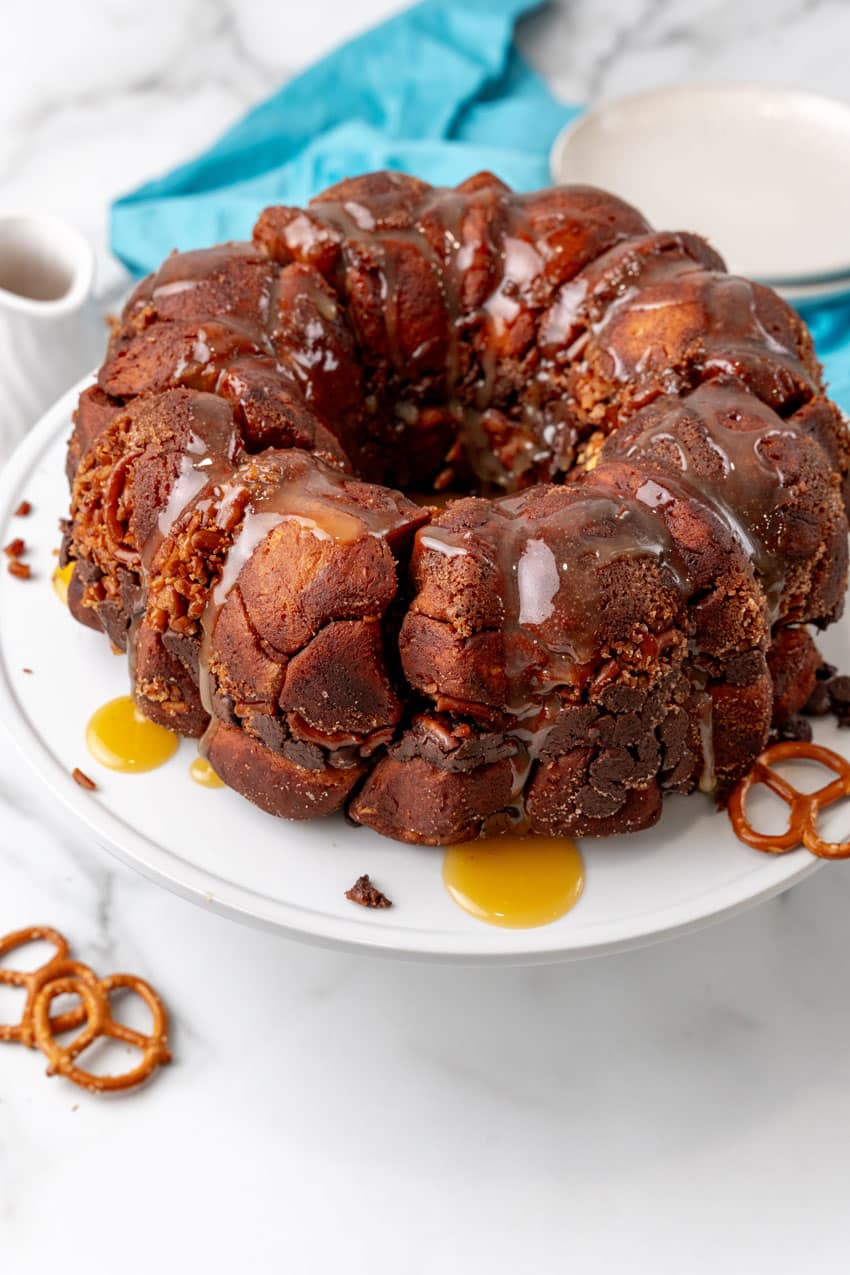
682,1108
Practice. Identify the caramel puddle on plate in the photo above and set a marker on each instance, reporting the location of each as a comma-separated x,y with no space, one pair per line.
202,773
517,882
60,580
122,738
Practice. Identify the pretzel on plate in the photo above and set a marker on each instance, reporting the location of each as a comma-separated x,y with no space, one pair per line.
804,806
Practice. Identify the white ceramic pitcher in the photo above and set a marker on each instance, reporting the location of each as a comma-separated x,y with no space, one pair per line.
50,332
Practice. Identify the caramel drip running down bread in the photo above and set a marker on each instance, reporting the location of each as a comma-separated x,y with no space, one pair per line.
648,507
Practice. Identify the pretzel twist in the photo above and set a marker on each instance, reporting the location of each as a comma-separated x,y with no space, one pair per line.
804,807
59,965
100,1023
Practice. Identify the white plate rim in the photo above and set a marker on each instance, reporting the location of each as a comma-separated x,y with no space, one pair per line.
833,283
157,863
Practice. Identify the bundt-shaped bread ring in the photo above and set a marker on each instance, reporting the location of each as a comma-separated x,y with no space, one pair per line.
644,489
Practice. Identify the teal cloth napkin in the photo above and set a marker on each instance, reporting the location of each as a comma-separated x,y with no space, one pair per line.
439,91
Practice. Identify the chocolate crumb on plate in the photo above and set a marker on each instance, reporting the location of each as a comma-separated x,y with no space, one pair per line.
818,704
81,778
367,894
24,509
831,695
839,698
795,727
26,670
20,569
15,548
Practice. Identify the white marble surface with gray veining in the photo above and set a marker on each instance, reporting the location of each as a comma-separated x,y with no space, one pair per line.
682,1108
